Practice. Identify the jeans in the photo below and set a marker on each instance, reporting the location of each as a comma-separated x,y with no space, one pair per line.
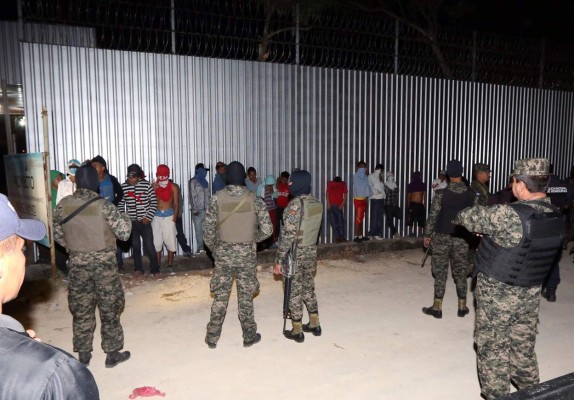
390,222
337,221
198,227
181,239
143,231
377,215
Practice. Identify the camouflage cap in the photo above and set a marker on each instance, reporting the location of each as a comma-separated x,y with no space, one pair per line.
480,167
531,166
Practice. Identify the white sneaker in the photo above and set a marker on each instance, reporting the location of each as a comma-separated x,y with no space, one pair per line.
378,237
201,251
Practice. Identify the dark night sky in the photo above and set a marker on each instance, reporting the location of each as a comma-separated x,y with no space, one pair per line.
552,19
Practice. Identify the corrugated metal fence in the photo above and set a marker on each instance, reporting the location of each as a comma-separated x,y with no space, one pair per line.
152,109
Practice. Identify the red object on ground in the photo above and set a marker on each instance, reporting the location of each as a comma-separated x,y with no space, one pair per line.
146,391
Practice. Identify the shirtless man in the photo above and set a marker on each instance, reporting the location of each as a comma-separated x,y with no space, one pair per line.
416,202
163,224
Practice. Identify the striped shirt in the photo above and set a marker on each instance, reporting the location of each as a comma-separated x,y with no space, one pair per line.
139,201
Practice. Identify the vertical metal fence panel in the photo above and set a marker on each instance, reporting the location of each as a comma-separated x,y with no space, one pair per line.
154,108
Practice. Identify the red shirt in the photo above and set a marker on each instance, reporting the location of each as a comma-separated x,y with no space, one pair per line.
336,191
282,199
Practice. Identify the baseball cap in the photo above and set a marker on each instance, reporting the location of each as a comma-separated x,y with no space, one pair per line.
480,167
134,171
442,172
454,169
200,165
11,224
531,166
162,170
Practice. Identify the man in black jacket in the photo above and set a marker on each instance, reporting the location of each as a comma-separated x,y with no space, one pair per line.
29,369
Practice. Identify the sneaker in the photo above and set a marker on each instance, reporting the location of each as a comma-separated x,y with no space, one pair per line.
187,254
116,357
298,337
365,238
378,237
315,330
357,239
156,275
170,270
256,339
85,357
138,274
201,251
210,344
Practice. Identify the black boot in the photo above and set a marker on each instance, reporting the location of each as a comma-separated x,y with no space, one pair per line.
115,357
313,325
85,357
256,339
296,333
435,310
462,308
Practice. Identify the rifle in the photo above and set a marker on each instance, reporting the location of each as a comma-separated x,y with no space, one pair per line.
427,252
289,267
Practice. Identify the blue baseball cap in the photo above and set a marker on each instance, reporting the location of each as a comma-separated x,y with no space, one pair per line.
11,224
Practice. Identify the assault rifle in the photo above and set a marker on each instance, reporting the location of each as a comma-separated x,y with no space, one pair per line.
288,273
428,251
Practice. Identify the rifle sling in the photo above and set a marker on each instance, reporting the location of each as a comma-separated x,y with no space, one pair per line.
79,210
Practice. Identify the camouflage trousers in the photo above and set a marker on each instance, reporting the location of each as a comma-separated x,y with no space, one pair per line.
505,335
445,249
90,285
221,284
303,283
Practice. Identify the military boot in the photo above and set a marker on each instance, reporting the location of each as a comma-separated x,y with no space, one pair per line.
462,308
115,357
435,310
85,357
296,333
256,339
313,325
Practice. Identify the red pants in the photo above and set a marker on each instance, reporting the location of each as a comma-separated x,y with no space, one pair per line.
360,209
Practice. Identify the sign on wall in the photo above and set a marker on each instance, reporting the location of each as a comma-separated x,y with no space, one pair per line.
26,180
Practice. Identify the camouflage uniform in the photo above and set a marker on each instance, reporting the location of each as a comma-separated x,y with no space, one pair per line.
303,283
481,192
94,280
447,248
506,315
237,260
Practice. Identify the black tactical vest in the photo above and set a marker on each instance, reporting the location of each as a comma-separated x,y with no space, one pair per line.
529,262
451,204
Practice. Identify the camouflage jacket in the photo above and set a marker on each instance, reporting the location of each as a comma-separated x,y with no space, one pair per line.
119,222
264,225
500,221
481,192
291,218
457,187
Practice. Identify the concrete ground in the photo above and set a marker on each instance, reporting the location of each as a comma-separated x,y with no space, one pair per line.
376,343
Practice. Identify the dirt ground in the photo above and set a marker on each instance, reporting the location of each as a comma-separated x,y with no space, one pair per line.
376,343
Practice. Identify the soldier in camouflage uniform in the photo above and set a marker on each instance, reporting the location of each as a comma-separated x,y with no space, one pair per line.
514,257
301,224
448,240
90,237
234,222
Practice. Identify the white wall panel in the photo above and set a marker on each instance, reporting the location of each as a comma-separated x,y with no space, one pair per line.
152,108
